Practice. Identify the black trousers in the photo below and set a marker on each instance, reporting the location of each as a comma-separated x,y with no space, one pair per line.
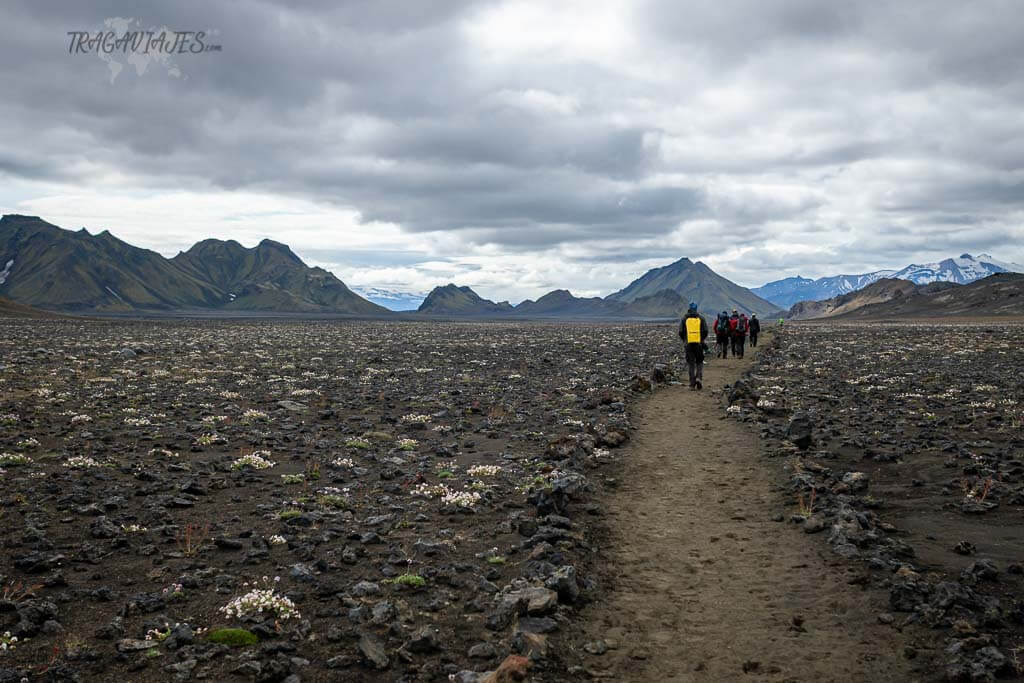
753,338
723,344
695,363
737,345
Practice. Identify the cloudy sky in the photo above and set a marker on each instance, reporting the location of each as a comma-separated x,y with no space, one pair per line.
522,146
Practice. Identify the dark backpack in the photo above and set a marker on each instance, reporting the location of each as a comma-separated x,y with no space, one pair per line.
723,324
741,325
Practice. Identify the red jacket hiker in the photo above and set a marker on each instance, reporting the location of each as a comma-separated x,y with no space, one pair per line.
742,326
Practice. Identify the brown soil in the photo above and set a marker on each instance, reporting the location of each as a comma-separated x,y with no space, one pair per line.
705,584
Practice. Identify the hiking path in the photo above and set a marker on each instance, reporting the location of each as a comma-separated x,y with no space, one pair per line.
706,579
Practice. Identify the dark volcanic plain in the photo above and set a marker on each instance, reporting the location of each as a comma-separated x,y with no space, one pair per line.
127,510
911,438
435,499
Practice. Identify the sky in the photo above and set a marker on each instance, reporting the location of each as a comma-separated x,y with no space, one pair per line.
519,147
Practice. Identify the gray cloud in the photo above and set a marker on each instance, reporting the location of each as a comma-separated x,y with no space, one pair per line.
868,133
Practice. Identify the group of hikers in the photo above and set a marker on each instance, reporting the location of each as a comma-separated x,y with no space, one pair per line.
731,331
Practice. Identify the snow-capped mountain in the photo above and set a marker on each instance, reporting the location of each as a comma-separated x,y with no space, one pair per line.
961,270
790,290
392,299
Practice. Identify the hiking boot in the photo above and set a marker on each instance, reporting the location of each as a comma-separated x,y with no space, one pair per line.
700,385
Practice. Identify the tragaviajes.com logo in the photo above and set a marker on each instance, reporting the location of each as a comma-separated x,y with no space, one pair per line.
125,39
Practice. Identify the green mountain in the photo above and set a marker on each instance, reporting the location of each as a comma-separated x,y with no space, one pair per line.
45,266
269,277
9,309
696,282
453,300
49,267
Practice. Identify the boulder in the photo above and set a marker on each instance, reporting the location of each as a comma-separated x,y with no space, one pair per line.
799,431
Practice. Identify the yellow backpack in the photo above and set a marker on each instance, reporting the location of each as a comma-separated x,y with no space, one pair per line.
693,330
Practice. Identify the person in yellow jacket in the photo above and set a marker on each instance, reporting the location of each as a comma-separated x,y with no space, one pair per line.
693,330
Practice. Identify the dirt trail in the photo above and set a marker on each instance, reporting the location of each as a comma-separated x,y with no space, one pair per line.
705,586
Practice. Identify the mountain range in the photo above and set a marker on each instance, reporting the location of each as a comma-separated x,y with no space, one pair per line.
663,292
47,267
960,270
879,291
999,294
391,299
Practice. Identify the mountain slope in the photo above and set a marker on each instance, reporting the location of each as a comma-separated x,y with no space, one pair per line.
561,302
696,282
881,291
269,276
9,309
49,267
391,299
1000,294
790,290
453,300
666,303
961,270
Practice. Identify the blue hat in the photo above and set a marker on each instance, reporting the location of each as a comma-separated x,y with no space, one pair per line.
693,306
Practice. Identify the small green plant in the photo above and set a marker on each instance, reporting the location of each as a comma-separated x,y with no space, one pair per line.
445,474
13,459
357,443
495,559
414,580
190,538
805,509
293,478
334,501
233,637
312,471
290,513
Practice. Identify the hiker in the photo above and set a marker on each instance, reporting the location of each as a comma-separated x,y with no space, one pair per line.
738,324
693,329
755,329
733,319
722,334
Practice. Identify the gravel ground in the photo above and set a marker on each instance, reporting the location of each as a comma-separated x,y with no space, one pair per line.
358,501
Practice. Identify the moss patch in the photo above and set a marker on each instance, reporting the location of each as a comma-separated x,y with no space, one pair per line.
235,637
